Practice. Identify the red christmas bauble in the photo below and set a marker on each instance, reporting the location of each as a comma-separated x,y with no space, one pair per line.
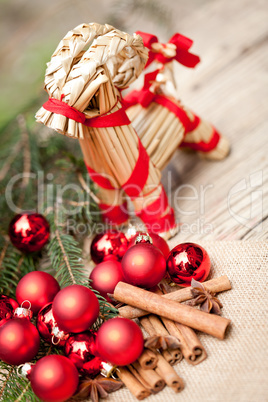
54,378
105,276
110,244
29,232
7,308
19,341
93,367
46,323
187,261
80,348
75,308
144,265
158,242
39,288
119,341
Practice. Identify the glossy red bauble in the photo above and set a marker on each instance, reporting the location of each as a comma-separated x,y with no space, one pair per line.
75,308
92,367
7,307
119,341
187,261
29,232
39,288
110,244
45,324
105,276
144,265
54,378
80,348
19,341
158,242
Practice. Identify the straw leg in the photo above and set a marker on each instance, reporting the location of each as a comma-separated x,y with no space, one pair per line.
113,206
205,137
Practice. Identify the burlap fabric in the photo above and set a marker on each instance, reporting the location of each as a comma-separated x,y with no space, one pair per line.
236,369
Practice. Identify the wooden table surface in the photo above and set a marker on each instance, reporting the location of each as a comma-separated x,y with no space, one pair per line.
227,199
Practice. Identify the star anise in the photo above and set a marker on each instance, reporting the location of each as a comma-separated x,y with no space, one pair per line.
205,298
97,388
162,342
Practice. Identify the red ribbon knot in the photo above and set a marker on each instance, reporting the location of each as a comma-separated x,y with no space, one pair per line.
182,46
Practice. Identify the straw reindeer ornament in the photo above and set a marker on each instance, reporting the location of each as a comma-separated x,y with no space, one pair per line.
162,122
90,67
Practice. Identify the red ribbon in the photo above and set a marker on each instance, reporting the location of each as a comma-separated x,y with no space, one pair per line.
118,118
162,224
115,215
139,176
154,210
152,214
137,179
182,43
99,179
203,146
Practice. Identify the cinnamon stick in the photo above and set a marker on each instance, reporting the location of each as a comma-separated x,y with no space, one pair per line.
145,300
149,378
172,356
214,285
191,347
148,359
131,382
146,324
169,375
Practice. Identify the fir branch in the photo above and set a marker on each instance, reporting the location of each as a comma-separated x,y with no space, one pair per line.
3,252
9,160
65,258
67,261
87,189
26,150
6,381
13,267
23,392
13,386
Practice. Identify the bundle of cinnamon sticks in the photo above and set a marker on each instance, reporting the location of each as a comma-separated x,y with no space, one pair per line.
163,318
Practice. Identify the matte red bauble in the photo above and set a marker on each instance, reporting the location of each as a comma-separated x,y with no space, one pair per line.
54,378
105,276
75,308
144,265
39,288
119,341
7,307
46,323
29,232
80,348
158,242
187,261
110,244
19,341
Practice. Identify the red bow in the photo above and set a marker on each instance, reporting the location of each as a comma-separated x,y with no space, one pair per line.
182,46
